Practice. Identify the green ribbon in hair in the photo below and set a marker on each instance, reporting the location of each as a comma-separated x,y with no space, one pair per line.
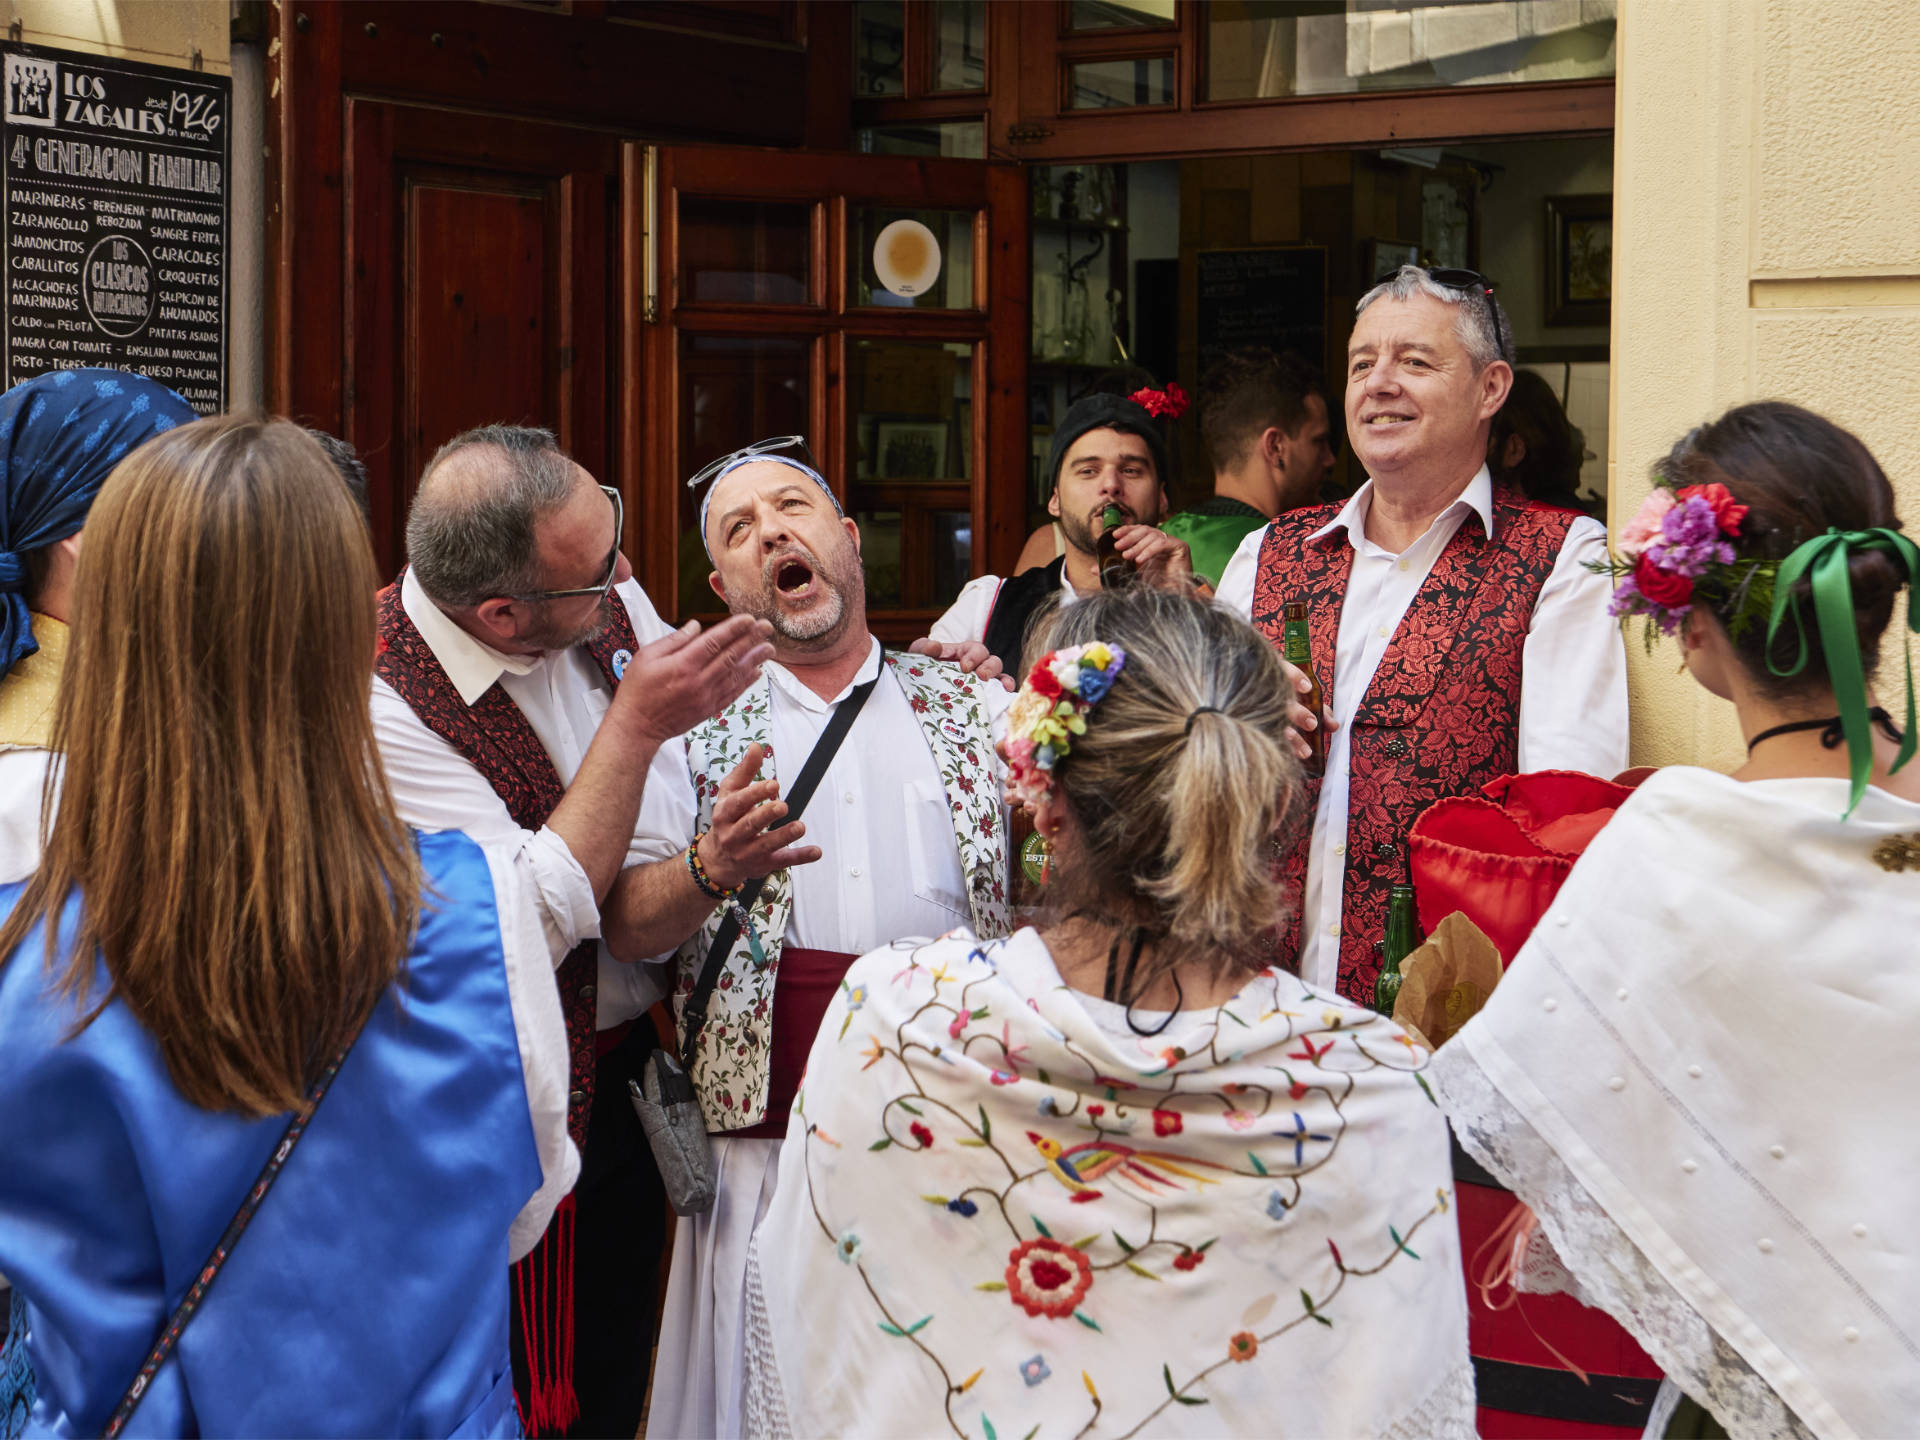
1824,560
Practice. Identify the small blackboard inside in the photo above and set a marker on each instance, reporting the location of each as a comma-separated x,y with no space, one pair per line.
1274,296
115,219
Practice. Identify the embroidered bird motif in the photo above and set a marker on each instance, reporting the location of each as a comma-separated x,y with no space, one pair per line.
1081,1167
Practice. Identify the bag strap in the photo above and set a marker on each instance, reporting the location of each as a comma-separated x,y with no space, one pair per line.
824,749
189,1305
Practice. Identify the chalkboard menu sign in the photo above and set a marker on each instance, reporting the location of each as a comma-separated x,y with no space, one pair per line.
1274,296
116,177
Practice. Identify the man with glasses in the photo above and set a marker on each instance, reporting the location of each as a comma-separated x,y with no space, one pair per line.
904,836
526,692
1456,625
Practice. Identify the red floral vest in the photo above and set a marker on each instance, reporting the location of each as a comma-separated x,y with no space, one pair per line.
495,738
1442,714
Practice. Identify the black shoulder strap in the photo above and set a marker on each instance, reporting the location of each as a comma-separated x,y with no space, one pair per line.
811,773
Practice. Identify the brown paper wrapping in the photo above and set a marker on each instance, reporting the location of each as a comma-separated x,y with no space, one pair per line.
1445,982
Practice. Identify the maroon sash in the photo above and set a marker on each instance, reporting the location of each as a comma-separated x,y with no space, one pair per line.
1442,714
804,985
495,738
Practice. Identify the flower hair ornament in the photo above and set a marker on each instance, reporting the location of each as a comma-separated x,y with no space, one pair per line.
1679,549
1168,404
1052,707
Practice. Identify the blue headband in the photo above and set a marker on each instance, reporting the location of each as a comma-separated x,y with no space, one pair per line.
807,470
61,434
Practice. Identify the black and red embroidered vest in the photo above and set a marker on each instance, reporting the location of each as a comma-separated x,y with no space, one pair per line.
495,738
1442,714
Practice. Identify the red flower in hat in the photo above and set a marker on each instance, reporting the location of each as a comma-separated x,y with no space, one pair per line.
1044,681
1665,588
1170,403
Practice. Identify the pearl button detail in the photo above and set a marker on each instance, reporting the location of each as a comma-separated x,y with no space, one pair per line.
1850,1335
1620,994
1384,632
1766,1247
1549,1005
1617,1083
1695,1071
855,872
1333,929
1859,1232
1779,1152
1689,1166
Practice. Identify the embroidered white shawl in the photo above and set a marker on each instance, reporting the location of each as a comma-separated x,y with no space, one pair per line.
1702,1072
995,1219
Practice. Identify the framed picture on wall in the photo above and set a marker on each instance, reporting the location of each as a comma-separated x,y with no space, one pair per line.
911,449
1579,259
1384,257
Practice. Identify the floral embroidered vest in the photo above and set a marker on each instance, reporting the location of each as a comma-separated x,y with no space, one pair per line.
732,1066
495,738
1442,714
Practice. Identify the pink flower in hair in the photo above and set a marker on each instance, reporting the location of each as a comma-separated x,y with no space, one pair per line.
1644,528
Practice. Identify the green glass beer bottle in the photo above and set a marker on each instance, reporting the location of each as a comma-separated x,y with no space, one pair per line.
1299,652
1403,938
1115,568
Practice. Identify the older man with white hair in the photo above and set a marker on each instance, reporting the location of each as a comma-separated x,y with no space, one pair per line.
1456,624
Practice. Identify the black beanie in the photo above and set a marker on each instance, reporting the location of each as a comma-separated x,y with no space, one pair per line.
1108,412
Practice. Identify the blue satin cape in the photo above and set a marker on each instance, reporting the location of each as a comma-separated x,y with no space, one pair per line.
369,1295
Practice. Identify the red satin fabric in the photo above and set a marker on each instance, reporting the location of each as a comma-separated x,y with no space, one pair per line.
1501,859
803,987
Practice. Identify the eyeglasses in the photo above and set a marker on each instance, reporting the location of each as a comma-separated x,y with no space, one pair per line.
748,452
613,560
1471,281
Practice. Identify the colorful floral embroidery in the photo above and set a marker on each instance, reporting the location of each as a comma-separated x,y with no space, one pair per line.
1034,1370
1047,1278
1243,1347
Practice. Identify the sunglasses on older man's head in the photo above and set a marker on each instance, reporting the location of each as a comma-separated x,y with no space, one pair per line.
752,452
1455,278
613,557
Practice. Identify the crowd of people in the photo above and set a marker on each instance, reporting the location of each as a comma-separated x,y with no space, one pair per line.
331,1095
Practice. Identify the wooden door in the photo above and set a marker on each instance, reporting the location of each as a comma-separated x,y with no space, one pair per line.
479,253
755,304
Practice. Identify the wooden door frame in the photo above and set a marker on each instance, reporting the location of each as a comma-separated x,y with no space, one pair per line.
649,363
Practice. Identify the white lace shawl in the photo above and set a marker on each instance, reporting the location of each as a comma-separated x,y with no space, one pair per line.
1701,1073
993,1218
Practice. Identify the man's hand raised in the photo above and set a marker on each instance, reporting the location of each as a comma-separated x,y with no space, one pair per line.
746,838
689,676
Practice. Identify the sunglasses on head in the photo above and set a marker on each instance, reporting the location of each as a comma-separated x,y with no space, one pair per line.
750,452
1455,278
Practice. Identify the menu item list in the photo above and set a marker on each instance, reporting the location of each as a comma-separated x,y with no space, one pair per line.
116,177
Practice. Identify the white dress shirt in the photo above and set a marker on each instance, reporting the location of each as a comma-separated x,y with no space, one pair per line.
23,778
966,619
1573,688
889,868
563,696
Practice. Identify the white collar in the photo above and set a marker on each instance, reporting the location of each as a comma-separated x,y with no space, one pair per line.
1477,498
470,664
791,686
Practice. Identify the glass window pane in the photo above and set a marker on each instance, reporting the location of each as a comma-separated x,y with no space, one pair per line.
734,389
959,44
1265,49
1114,84
880,47
880,547
1120,14
743,252
909,464
955,139
910,259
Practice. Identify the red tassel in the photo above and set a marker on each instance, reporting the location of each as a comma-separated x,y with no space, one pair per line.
543,1289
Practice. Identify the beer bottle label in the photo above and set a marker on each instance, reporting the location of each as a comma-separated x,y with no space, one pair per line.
1033,858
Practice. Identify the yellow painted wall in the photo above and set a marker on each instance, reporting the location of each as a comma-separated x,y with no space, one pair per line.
1766,246
160,32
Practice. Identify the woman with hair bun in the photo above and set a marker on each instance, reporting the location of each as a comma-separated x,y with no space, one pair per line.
1698,1067
1116,1174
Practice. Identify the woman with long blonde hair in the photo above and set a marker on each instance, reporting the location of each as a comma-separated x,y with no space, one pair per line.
233,948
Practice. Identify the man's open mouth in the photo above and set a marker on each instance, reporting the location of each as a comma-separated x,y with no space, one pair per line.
793,577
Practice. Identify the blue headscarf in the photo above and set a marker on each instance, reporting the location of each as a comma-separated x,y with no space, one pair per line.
61,434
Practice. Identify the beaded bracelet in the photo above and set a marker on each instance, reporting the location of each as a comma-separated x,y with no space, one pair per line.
700,876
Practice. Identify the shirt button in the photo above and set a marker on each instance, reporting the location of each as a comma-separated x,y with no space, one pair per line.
1341,848
849,797
1850,1335
1406,565
1384,632
1766,1247
1333,929
855,872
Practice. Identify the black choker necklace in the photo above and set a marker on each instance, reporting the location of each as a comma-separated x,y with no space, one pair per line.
1834,735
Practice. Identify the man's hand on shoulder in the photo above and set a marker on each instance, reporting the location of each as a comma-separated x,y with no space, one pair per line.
689,676
971,656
